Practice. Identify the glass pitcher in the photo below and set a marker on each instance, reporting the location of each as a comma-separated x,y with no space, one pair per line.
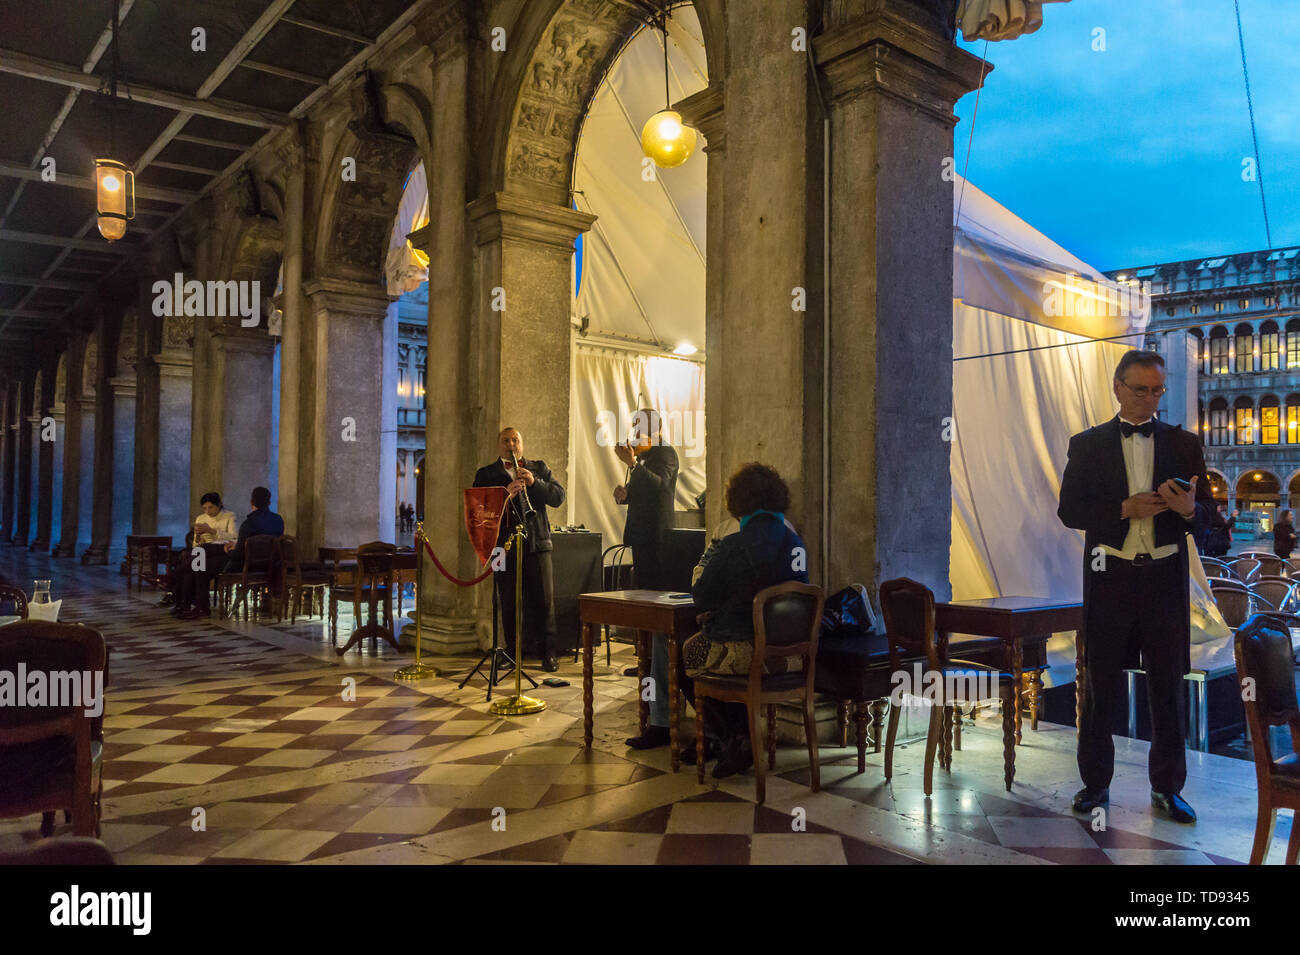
41,592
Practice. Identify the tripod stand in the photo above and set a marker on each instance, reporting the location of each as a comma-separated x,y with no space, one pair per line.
502,663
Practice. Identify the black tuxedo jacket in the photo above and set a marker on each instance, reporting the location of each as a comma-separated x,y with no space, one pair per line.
545,492
651,491
1093,490
1095,485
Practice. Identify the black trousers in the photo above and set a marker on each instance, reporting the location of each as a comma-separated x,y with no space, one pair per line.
193,589
1134,609
539,604
648,568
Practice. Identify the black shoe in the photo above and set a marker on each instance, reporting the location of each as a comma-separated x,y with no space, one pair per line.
652,738
179,610
194,614
550,664
1086,800
631,671
166,601
710,752
736,758
1173,806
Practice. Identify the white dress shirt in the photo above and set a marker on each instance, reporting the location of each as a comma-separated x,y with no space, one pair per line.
1139,462
223,526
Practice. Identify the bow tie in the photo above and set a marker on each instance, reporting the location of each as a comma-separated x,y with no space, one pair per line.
1145,430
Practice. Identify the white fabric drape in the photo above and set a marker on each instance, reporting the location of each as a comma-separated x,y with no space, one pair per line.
606,384
406,267
1000,19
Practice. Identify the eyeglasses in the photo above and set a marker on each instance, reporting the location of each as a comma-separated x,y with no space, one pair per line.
1144,392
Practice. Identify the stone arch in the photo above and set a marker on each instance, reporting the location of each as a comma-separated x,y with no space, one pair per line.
90,368
38,394
60,395
357,216
543,90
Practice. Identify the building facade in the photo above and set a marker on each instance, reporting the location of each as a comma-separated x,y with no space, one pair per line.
1242,313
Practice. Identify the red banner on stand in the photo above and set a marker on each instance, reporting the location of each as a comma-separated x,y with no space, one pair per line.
483,509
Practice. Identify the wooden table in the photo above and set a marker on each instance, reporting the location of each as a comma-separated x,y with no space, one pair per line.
1015,620
647,612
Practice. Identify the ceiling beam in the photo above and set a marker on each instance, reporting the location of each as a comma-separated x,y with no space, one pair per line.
38,281
51,71
21,313
214,143
281,71
184,167
61,241
329,30
16,171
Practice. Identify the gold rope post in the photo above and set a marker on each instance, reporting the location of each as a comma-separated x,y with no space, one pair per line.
518,705
417,670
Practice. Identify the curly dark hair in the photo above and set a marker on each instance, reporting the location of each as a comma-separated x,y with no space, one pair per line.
211,497
756,487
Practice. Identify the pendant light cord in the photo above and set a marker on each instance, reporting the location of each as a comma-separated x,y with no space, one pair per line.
668,102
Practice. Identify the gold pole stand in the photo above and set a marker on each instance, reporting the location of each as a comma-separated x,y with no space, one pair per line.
518,705
417,670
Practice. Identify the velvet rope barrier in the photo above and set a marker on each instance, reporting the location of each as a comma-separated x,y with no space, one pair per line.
443,570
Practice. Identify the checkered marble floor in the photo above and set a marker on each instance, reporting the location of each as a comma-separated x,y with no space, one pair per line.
232,742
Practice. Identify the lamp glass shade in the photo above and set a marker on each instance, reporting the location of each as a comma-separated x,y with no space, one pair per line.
114,197
667,140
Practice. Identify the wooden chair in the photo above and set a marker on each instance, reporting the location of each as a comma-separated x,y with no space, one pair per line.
145,552
299,580
856,671
908,609
787,622
1245,568
1278,591
13,602
1234,600
51,757
340,563
256,578
1266,673
374,583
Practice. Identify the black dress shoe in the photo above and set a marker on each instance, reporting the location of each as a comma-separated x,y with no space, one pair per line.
550,664
736,758
179,610
194,614
1173,806
1086,800
652,738
631,671
167,600
711,752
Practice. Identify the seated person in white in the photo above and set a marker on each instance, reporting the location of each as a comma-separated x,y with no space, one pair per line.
212,528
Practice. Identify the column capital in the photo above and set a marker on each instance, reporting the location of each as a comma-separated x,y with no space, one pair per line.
446,26
343,296
885,51
704,110
238,338
502,215
122,386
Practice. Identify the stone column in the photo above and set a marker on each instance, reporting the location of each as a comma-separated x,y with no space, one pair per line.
99,489
238,439
86,476
893,80
123,389
44,436
342,346
23,437
9,461
291,327
69,473
58,411
173,368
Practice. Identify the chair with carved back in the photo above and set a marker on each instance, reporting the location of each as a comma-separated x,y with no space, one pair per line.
787,623
51,755
908,609
257,578
341,565
299,581
373,588
13,602
1266,674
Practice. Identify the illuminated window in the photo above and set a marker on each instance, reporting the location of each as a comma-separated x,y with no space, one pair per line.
1269,420
1219,351
1219,422
1245,347
403,382
1245,421
1268,350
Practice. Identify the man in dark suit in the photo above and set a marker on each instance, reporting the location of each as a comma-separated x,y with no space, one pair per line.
530,482
1119,488
649,493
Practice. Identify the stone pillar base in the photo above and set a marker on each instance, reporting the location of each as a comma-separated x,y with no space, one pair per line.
60,550
442,635
95,554
39,544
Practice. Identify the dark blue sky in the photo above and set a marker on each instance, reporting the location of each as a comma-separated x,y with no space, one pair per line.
1134,155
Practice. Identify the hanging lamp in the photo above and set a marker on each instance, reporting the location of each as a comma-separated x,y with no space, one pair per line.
114,180
665,138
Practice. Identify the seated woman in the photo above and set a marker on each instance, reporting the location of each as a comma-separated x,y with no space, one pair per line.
735,568
212,529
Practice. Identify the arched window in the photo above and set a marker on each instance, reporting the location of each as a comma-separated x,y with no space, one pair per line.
1219,350
1202,347
1269,422
1245,349
1244,415
1219,422
1293,419
1268,358
1293,343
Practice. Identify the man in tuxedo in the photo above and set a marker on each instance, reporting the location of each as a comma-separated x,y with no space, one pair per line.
1119,488
649,493
533,482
